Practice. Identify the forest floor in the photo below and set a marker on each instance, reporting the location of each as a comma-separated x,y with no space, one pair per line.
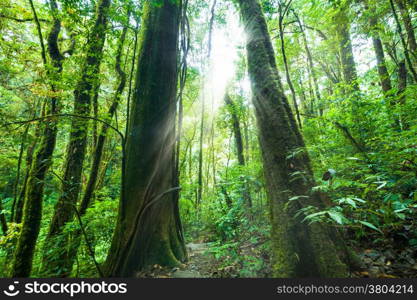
200,264
388,261
381,261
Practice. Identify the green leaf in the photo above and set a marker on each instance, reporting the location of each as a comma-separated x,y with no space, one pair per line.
372,226
349,201
359,200
311,216
337,217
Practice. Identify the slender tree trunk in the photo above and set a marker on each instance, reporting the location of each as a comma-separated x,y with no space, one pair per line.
20,201
200,153
71,185
346,52
310,63
18,173
74,240
384,77
299,249
408,25
403,42
3,220
96,94
239,146
98,153
287,70
32,209
402,85
146,231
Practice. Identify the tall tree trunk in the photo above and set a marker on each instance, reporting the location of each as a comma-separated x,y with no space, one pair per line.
184,46
346,52
145,233
408,25
71,185
310,63
403,42
239,146
98,152
283,9
18,174
20,201
3,220
401,96
299,249
200,153
384,77
32,209
73,241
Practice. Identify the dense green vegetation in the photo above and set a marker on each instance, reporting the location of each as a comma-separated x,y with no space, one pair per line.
278,135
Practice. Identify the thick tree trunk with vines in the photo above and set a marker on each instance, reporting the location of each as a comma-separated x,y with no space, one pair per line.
146,234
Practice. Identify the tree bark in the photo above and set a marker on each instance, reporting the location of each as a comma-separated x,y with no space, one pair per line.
18,174
20,201
145,233
32,208
64,209
402,86
239,148
346,52
3,220
403,42
408,25
310,63
299,249
283,10
384,77
74,239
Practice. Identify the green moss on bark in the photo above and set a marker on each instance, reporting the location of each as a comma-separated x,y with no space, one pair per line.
299,249
145,232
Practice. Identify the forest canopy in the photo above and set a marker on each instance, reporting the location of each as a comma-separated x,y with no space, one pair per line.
218,138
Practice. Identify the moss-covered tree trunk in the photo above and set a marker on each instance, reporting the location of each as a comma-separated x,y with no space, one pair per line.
20,201
146,230
54,247
299,249
383,74
74,239
42,158
408,25
342,26
384,77
407,56
3,220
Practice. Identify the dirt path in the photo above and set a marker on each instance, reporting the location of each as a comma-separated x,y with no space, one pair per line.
199,262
